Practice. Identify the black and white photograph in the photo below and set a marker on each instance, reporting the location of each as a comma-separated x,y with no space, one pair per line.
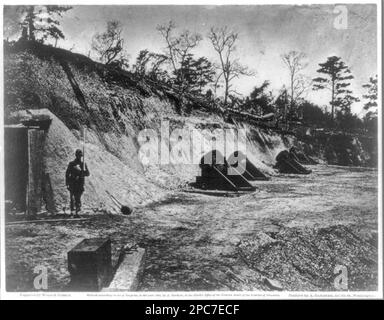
218,149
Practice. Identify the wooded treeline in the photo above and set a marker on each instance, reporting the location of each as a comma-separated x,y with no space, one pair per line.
181,67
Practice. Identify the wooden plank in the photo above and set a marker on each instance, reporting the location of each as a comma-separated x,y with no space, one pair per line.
45,220
225,178
35,170
129,272
27,196
245,180
218,193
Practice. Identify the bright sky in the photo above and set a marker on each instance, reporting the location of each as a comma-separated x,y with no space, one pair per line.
265,32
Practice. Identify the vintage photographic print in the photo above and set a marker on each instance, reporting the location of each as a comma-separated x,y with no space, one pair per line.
213,149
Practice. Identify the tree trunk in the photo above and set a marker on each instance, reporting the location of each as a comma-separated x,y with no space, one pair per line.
292,92
286,110
226,92
333,101
31,27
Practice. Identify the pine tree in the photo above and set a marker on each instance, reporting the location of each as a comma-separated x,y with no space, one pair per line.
337,81
194,74
42,22
371,95
260,100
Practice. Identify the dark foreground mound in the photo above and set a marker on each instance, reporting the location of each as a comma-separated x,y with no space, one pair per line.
311,259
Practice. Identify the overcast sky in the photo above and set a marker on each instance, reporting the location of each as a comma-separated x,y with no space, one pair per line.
265,32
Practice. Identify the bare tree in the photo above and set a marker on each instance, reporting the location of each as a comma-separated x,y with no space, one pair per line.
109,44
223,41
178,47
294,61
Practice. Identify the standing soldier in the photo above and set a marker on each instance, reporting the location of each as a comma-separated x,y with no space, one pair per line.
74,180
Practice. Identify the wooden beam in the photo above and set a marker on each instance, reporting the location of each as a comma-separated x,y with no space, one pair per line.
232,184
45,220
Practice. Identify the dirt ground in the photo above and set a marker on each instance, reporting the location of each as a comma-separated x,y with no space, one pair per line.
293,229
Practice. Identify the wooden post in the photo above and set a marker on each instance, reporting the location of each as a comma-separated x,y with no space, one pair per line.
27,209
35,143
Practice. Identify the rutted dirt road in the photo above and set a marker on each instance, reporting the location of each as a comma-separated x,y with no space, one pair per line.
199,242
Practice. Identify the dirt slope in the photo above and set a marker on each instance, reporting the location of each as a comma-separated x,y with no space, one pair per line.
114,108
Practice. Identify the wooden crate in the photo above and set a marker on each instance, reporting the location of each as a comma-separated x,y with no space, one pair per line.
90,264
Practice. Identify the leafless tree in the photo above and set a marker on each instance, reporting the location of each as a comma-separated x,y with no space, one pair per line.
294,62
223,41
180,46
